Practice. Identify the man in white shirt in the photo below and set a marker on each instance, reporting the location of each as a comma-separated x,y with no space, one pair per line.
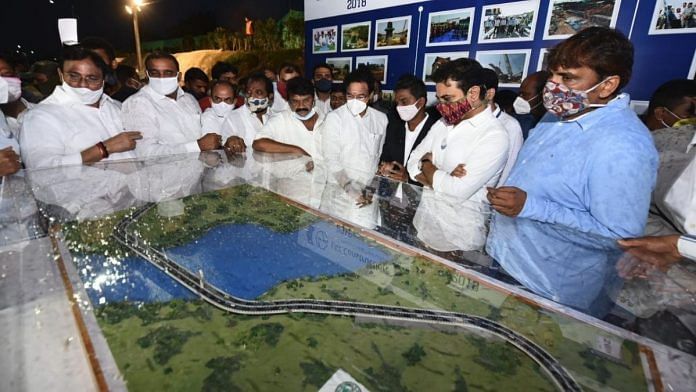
323,81
15,107
352,140
9,160
241,126
293,131
286,72
512,127
223,99
453,215
78,123
169,118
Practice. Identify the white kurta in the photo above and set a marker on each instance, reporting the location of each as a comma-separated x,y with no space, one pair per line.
56,131
514,131
680,201
169,126
453,215
323,107
211,122
283,127
243,123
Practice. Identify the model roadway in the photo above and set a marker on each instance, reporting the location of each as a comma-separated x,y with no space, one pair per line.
220,299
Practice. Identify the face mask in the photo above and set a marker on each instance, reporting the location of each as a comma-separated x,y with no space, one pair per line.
110,79
454,112
83,94
283,89
222,108
356,106
408,112
684,122
563,101
14,88
522,106
164,86
257,105
306,116
323,85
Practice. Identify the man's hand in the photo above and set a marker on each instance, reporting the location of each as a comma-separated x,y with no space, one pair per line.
235,144
394,170
210,141
508,200
459,171
211,159
660,252
9,162
124,141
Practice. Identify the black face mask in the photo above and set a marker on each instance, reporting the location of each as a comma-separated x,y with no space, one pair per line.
110,79
323,85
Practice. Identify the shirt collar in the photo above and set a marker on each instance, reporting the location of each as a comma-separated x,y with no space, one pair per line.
496,111
589,119
480,119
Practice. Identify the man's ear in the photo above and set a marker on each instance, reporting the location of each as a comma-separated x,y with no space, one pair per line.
490,94
609,87
474,93
659,113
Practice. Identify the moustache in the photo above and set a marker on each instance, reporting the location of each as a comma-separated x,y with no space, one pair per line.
301,110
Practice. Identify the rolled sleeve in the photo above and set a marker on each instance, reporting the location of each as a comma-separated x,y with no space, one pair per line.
687,246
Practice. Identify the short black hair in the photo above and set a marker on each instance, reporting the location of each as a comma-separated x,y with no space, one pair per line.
300,86
465,74
490,78
260,77
505,100
159,55
9,60
125,72
223,83
222,67
322,65
361,75
338,88
413,84
195,74
671,94
78,53
94,43
289,67
605,51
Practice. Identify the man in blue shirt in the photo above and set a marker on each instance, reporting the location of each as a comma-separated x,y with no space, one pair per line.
582,180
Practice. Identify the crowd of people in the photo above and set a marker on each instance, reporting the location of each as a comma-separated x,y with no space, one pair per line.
529,182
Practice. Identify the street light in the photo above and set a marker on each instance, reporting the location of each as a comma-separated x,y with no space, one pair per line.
133,9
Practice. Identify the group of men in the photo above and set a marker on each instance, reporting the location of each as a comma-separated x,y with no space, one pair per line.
572,163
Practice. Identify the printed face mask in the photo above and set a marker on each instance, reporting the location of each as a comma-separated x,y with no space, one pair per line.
256,105
454,112
564,101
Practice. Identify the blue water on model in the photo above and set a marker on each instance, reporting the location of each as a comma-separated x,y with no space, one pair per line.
242,260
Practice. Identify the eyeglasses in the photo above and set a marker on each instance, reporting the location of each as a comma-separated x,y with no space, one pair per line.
360,97
76,79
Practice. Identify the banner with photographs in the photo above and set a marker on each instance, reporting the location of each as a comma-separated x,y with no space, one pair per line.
510,65
432,61
543,63
673,17
692,71
452,27
393,33
355,36
324,39
340,67
567,17
377,65
508,22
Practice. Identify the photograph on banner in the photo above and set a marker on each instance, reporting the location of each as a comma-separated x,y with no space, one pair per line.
692,70
388,95
340,67
508,22
510,65
377,65
673,17
355,36
393,33
543,63
432,61
452,27
567,17
324,39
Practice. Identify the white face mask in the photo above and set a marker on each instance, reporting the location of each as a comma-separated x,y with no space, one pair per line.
306,116
521,106
164,86
222,108
356,106
83,94
14,88
408,112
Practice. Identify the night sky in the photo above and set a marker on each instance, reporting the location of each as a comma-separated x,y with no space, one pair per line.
33,23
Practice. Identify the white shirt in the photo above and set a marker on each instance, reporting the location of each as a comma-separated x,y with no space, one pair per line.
283,127
57,130
514,131
453,215
411,137
680,201
6,137
168,126
323,107
15,124
352,145
243,123
211,122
